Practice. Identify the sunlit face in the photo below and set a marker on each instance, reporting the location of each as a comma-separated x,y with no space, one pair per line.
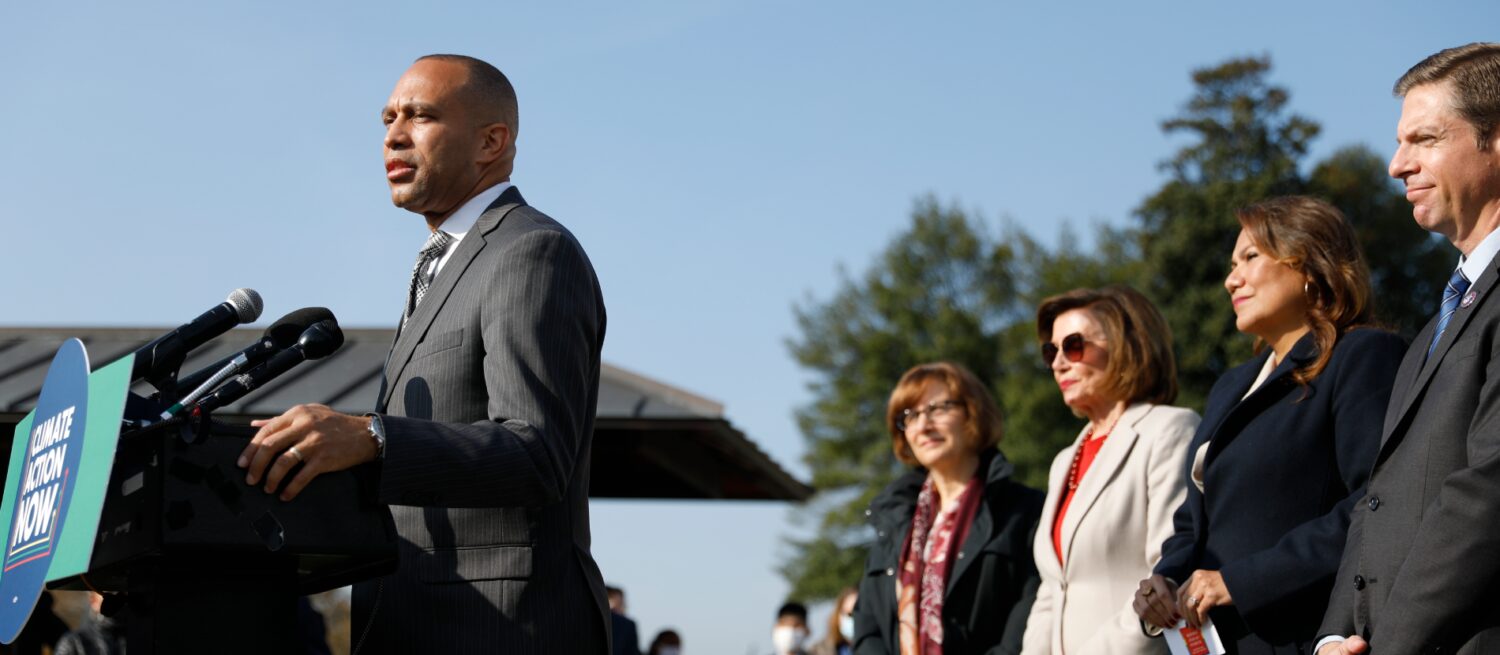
1084,385
936,436
432,144
1268,296
1449,181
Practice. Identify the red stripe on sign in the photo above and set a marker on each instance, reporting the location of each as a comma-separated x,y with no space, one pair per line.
1194,640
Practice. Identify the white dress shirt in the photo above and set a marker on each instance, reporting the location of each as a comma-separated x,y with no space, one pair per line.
461,221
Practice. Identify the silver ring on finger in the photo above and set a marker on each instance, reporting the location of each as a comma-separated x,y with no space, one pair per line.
1192,601
293,452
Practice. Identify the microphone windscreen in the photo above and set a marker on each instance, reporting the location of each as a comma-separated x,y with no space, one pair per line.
287,329
246,303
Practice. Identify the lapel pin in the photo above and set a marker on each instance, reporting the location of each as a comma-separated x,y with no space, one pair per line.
1469,298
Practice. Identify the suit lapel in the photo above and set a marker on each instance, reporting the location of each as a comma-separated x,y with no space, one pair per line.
1304,351
1217,414
1406,378
416,327
1480,290
1111,456
1056,478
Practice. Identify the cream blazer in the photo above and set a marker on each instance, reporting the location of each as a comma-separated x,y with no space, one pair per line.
1112,535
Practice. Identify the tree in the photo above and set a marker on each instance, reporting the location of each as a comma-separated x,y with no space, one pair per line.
1246,148
1408,266
941,290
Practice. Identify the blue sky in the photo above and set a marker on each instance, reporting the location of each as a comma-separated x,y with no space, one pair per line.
719,160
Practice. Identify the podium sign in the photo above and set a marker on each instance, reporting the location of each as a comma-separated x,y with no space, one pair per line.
59,468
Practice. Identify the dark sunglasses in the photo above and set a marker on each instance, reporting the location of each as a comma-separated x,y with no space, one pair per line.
1072,348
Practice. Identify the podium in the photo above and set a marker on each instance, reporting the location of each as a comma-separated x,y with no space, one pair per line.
194,559
210,564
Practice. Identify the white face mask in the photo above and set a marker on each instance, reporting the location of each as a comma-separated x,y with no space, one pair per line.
787,639
846,627
670,650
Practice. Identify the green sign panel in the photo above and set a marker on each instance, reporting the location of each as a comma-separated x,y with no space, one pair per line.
77,505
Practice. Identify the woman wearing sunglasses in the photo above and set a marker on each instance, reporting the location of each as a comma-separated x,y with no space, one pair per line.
950,571
1287,439
1110,495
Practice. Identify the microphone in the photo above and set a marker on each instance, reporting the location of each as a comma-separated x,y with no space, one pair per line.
157,362
279,336
319,340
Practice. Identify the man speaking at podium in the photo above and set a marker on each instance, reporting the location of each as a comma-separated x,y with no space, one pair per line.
486,413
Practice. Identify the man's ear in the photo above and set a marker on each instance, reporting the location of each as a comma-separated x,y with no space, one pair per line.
497,141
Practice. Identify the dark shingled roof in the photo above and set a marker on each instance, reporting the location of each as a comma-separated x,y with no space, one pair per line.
651,440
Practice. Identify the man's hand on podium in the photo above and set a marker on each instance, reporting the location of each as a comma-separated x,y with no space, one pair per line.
315,436
1351,646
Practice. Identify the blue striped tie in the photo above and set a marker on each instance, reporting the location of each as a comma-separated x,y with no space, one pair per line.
1457,285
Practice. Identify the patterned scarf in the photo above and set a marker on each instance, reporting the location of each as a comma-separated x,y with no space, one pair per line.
930,548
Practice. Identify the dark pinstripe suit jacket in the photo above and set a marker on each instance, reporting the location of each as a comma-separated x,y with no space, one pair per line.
1422,563
489,398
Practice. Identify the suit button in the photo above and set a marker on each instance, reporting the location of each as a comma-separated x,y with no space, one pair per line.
890,571
1359,583
880,533
1374,503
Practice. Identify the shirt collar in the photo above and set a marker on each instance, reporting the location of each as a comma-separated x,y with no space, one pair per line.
461,221
1475,264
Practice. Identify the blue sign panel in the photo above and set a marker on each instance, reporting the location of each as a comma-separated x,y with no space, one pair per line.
43,487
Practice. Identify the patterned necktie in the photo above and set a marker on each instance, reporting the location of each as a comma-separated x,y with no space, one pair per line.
1457,285
432,251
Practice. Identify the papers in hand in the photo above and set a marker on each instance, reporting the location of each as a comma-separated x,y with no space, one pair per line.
1184,640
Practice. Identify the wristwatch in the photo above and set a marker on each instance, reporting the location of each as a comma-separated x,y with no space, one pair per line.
377,432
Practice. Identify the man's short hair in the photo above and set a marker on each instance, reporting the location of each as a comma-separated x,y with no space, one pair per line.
1474,70
792,608
489,88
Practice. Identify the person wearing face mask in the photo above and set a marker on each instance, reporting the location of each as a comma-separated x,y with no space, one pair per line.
840,626
789,635
1287,439
667,642
1110,495
950,571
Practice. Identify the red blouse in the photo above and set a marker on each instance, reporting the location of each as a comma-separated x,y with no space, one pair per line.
1081,461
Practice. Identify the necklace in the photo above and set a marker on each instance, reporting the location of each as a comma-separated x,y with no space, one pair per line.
1078,455
1077,459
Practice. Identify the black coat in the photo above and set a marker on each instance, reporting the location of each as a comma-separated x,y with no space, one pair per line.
990,586
1283,468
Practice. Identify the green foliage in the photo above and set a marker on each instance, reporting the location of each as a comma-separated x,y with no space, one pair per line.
1245,148
950,288
1408,265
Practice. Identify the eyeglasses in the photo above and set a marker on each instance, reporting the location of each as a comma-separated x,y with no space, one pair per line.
939,410
1072,348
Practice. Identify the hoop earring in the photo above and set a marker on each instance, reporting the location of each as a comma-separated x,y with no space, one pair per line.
1307,288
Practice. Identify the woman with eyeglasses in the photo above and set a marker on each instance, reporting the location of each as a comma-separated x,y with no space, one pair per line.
1111,494
950,571
1287,438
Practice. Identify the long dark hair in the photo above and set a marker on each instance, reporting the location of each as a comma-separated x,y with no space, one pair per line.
1315,239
